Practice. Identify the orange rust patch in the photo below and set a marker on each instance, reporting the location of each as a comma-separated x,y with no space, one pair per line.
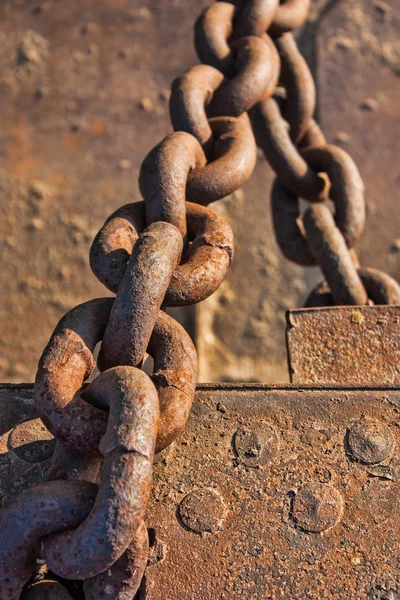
98,126
58,180
19,130
71,140
29,163
20,145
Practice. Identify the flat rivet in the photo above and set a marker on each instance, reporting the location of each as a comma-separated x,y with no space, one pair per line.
203,510
256,446
370,442
31,441
317,507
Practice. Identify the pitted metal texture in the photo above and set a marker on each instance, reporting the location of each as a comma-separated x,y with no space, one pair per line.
311,507
289,466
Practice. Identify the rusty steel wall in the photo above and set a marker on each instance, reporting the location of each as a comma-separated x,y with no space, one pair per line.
84,89
84,96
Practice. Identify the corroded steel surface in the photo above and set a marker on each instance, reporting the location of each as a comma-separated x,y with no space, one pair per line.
235,155
46,590
336,263
83,156
350,344
298,82
207,261
116,521
178,153
68,360
155,257
380,287
346,190
272,133
270,492
309,522
41,510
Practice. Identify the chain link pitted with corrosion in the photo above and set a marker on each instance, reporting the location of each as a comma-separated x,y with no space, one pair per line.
171,249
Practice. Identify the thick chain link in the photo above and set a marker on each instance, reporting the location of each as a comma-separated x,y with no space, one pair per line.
172,250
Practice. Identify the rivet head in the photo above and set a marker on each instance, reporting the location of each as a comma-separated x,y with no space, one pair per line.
317,507
203,510
31,441
370,442
256,446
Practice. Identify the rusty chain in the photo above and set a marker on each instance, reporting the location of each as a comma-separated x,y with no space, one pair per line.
253,87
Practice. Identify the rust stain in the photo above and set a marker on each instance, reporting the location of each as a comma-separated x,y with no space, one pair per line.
71,140
324,347
24,165
97,126
19,147
58,180
108,188
19,130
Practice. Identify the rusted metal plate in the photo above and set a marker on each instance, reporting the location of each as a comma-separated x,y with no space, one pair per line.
309,521
270,492
346,344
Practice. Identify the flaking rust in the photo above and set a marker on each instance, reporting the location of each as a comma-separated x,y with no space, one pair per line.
352,344
312,521
306,511
285,492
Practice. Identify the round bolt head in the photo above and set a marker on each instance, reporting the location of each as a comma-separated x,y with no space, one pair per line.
256,446
317,507
203,510
370,442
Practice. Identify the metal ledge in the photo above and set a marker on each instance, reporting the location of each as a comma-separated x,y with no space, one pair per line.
270,492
